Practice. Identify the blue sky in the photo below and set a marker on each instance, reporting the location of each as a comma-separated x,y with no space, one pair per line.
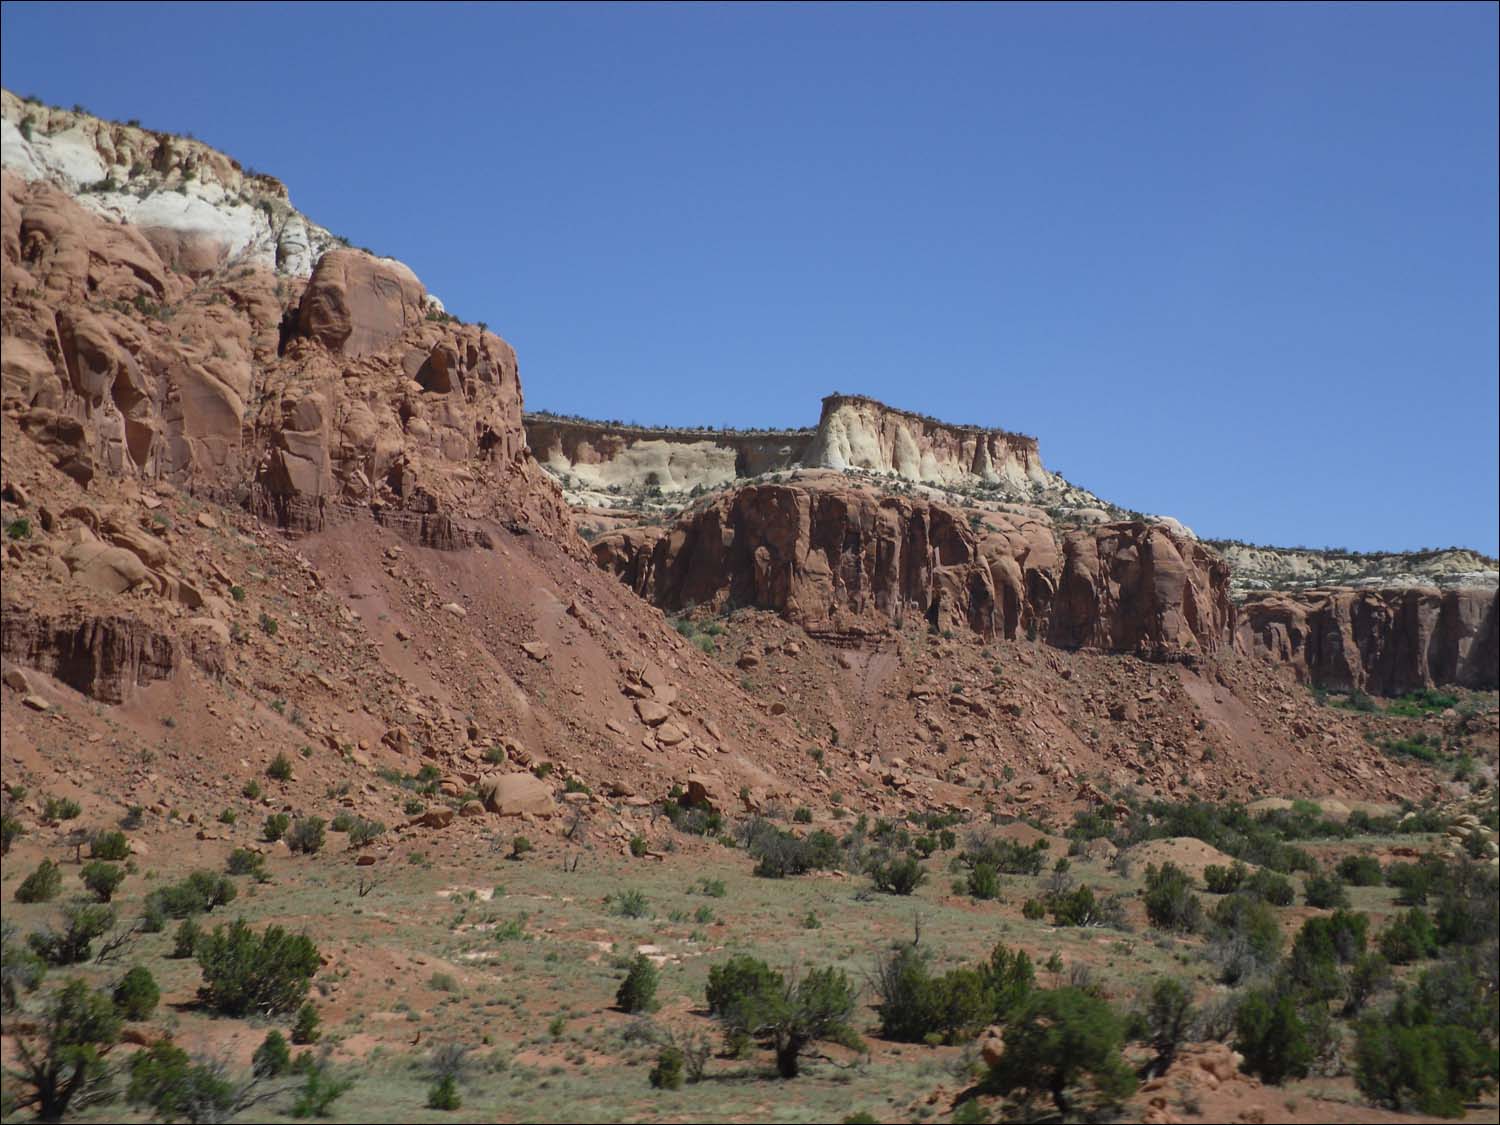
1233,263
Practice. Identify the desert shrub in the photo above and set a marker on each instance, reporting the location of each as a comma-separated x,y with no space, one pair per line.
984,882
779,854
1082,907
786,1015
1168,1020
42,885
1064,1045
102,878
320,1089
363,832
185,940
280,768
275,827
1410,937
1369,973
60,808
1246,938
246,861
165,1079
273,1057
1008,857
519,846
1361,871
1033,910
1224,880
803,815
110,845
305,1028
61,1067
1270,887
21,970
1273,1037
136,995
1421,1068
1323,944
667,1073
199,893
11,830
1170,901
1326,892
630,904
899,876
443,1094
245,972
306,834
637,992
82,924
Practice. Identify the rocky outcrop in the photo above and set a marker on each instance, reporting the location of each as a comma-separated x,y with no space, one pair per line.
839,559
356,304
198,208
605,458
361,398
855,432
1294,568
105,657
1386,642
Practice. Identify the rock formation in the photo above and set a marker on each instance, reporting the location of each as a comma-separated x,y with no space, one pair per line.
842,559
1386,642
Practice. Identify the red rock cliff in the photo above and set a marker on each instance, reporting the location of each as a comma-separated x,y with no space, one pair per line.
838,558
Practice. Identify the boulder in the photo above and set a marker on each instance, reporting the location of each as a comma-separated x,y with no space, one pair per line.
515,794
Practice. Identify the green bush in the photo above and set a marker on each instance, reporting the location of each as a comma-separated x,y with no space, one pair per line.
1326,892
74,943
1272,1036
61,1065
102,878
199,893
1270,887
109,845
667,1073
42,885
1423,1068
898,876
246,861
1170,901
1065,1045
1246,938
21,970
245,972
280,768
275,827
779,853
788,1016
306,834
1008,857
273,1057
637,992
363,832
1410,937
185,940
1361,871
1168,1020
984,882
443,1094
136,995
11,830
1224,880
305,1028
165,1079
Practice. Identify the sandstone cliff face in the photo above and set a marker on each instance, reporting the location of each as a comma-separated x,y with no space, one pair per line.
1386,642
198,207
357,398
861,433
608,460
841,559
106,657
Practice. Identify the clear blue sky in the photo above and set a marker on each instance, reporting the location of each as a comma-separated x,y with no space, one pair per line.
1235,264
